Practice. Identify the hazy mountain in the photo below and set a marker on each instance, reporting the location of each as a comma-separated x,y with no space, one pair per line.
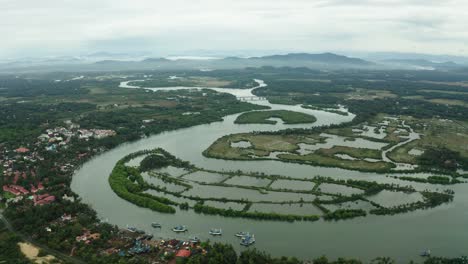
329,58
383,56
325,61
423,64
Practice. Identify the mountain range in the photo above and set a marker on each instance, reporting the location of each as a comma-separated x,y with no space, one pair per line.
119,62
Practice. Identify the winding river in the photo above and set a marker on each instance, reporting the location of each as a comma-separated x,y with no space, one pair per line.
403,237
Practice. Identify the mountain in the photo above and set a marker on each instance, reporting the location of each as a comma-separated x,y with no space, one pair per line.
321,61
422,64
153,60
328,58
383,56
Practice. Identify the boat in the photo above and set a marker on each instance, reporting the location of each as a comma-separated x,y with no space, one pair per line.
216,231
132,229
248,240
155,225
426,253
194,239
180,228
242,234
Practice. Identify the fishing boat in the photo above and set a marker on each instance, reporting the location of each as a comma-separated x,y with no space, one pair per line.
194,239
216,231
248,240
155,225
242,234
426,253
132,229
180,228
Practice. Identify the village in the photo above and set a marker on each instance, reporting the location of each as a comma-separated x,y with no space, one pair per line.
23,187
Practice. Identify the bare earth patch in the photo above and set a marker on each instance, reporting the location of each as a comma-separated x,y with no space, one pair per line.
31,253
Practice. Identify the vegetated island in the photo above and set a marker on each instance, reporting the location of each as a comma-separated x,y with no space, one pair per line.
264,117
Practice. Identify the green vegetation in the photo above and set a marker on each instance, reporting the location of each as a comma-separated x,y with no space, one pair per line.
9,250
262,145
200,208
122,181
359,153
344,214
262,117
431,179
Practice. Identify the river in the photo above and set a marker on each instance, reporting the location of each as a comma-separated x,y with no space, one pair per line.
402,237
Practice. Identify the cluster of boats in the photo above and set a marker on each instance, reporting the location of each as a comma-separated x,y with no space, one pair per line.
247,239
183,228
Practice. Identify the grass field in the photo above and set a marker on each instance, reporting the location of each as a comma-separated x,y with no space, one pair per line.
262,145
359,153
262,117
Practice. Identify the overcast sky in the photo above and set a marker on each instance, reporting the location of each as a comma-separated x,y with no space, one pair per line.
73,27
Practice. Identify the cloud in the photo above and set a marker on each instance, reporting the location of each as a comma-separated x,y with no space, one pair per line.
51,27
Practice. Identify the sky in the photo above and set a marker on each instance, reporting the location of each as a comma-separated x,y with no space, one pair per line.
77,27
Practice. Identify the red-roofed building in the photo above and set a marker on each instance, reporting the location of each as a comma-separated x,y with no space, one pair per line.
33,189
183,253
22,150
10,190
43,199
19,188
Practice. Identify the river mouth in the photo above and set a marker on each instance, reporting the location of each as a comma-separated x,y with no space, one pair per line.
401,236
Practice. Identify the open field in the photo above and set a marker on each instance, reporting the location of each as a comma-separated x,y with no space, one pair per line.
264,117
195,81
359,153
321,160
261,145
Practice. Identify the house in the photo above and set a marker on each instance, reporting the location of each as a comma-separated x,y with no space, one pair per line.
87,237
183,253
85,134
15,189
66,217
20,189
22,150
43,199
12,191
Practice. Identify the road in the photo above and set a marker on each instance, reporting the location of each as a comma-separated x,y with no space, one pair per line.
50,251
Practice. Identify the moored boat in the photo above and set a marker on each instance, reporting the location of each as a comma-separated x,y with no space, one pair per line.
194,239
131,229
216,231
155,225
180,228
242,234
426,253
248,240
